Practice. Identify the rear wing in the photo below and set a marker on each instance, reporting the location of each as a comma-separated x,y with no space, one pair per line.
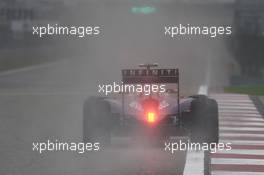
150,76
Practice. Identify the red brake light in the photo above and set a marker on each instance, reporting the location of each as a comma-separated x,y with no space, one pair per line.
151,117
150,107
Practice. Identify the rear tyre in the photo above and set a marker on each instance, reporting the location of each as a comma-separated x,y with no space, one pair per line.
212,122
96,121
204,117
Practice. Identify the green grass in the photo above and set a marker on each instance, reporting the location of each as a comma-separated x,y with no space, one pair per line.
257,90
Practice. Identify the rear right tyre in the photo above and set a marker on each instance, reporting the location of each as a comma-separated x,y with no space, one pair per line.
204,120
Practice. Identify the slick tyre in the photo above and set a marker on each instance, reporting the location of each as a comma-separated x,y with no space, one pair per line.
96,121
212,123
204,127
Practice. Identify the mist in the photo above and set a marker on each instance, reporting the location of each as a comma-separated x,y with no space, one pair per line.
128,39
48,104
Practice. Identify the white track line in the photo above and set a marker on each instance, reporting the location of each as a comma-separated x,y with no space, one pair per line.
194,163
195,159
242,142
203,90
236,104
242,151
241,112
231,96
241,123
234,101
235,96
242,128
241,119
235,173
238,107
237,161
240,115
239,134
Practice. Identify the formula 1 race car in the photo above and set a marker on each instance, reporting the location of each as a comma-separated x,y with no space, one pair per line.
156,115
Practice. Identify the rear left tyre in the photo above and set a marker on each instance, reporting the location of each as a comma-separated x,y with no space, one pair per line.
96,121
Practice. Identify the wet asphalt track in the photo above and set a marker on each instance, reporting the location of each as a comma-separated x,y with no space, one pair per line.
33,112
45,102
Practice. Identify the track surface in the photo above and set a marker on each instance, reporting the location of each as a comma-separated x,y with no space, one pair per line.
242,125
35,107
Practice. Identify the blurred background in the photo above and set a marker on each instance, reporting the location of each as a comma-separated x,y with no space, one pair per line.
44,81
132,33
